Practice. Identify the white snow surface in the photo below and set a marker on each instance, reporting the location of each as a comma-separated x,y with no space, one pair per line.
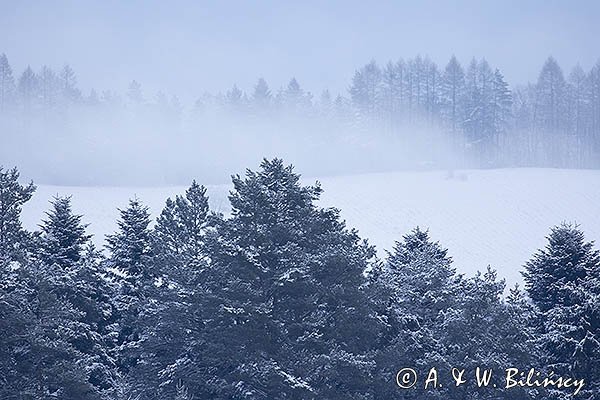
484,217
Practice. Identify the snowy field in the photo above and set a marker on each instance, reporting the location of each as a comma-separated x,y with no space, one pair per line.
484,217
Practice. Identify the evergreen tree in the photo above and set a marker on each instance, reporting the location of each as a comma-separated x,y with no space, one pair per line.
481,330
284,289
261,96
92,297
130,247
563,282
49,348
173,318
181,228
39,328
326,104
567,259
13,238
134,93
130,267
66,251
411,294
235,100
293,98
63,236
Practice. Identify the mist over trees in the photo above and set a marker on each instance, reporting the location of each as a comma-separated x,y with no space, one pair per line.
280,299
410,113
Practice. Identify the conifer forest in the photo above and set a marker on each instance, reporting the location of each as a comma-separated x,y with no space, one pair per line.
299,200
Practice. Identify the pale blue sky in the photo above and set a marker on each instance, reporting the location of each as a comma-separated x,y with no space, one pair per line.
187,47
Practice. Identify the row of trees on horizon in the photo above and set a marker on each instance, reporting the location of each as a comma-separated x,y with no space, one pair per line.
471,110
279,300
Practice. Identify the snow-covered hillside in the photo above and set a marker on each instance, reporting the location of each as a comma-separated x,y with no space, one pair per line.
484,217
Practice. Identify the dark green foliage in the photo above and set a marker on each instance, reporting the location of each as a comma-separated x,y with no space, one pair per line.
62,235
484,330
130,247
563,282
277,300
171,360
38,338
285,293
179,235
40,326
130,268
553,275
435,318
412,291
13,239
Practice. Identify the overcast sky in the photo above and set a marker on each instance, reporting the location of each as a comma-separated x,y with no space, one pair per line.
188,47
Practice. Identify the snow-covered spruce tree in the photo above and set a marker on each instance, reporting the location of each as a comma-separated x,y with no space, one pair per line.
563,280
63,235
293,99
522,333
130,246
73,267
39,339
130,266
480,330
173,318
93,298
14,240
36,357
179,235
39,326
288,316
436,318
261,98
412,290
46,342
15,323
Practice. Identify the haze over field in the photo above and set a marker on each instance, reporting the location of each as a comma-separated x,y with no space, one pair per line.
91,90
148,96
